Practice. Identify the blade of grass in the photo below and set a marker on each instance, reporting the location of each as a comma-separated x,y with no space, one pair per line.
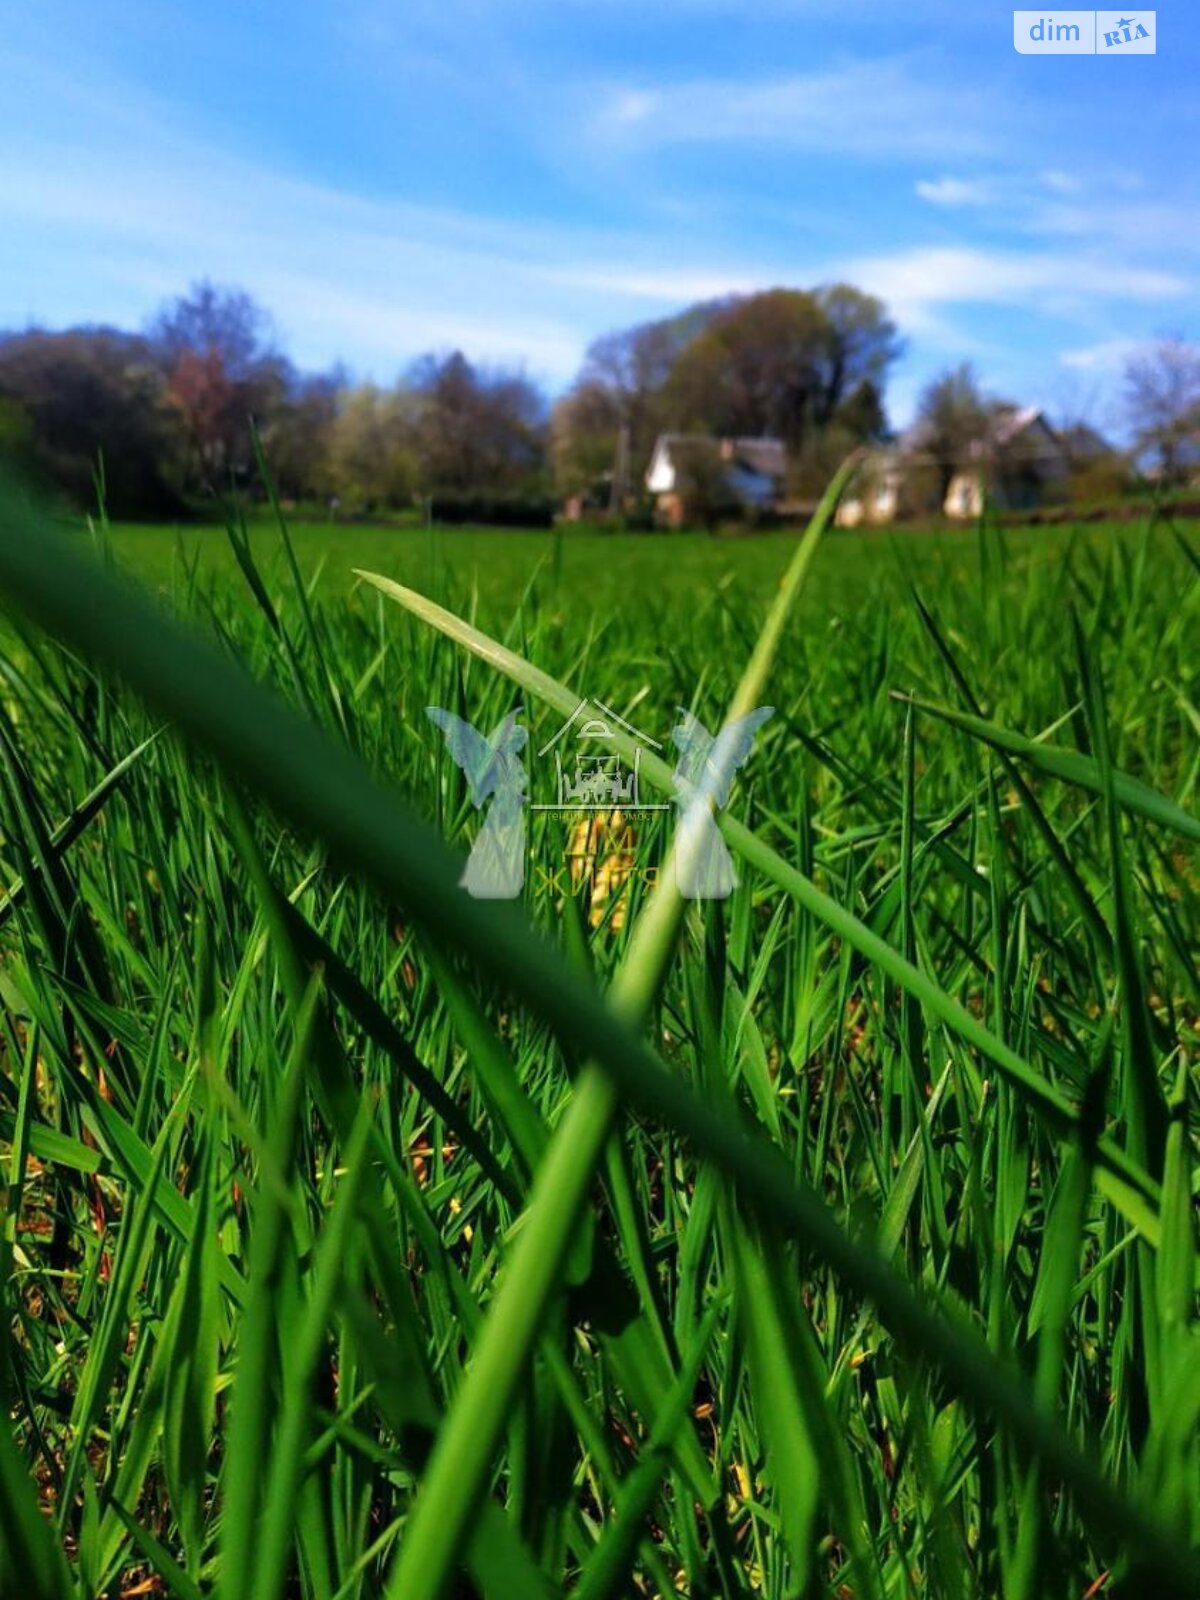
1069,765
81,818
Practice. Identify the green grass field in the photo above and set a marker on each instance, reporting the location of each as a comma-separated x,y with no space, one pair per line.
599,572
365,1239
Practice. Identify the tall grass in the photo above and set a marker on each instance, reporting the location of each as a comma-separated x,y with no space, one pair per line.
365,1239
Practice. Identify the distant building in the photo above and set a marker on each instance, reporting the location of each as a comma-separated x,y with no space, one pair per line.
593,501
1084,445
1017,462
726,473
883,490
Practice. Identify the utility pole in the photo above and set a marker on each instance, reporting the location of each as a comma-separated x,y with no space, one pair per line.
620,477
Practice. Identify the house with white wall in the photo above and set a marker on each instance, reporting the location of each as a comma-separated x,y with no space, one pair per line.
750,471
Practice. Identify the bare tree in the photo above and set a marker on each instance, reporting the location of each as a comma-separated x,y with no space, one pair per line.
952,414
476,431
1162,388
221,372
627,371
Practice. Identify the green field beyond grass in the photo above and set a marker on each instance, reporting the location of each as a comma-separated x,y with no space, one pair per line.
365,1239
603,572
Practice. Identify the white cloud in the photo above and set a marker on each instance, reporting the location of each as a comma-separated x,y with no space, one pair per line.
861,107
671,286
1106,357
954,191
365,319
373,281
1060,182
915,281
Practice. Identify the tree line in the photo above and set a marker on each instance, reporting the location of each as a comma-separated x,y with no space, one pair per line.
172,412
170,415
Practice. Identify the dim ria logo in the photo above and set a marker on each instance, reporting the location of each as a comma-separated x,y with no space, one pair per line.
597,758
1084,33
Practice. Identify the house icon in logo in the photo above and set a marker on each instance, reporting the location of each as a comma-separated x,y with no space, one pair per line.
598,778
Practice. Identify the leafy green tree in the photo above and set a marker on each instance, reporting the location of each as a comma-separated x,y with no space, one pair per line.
860,345
787,363
372,463
298,433
69,399
584,429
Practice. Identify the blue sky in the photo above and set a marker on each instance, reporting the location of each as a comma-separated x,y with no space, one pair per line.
514,177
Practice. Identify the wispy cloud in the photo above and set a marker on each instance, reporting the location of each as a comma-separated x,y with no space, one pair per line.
671,286
373,281
884,109
1147,226
954,191
112,196
1105,358
917,281
1060,182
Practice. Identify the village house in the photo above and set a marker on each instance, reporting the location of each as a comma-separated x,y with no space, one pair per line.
1017,463
733,474
883,490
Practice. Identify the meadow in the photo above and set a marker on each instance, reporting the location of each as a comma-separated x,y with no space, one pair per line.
365,1239
587,572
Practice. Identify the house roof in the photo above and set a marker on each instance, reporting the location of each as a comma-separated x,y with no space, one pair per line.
762,454
1003,428
1008,424
1084,443
680,448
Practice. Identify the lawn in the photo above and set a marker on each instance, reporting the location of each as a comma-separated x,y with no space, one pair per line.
834,1238
599,572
